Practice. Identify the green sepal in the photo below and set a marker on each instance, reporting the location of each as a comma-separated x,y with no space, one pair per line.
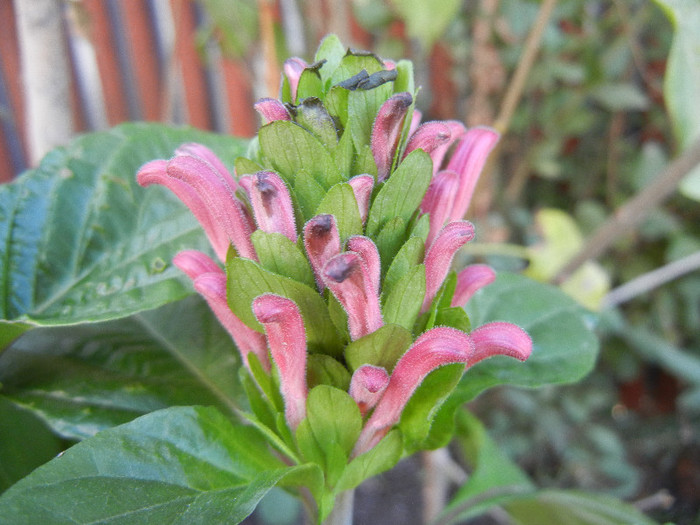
289,149
313,116
340,202
246,166
402,305
383,347
310,85
252,280
378,459
417,416
404,80
332,50
402,193
408,257
309,193
279,255
389,240
322,369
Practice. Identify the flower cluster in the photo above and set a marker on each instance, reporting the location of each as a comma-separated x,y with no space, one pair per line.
337,233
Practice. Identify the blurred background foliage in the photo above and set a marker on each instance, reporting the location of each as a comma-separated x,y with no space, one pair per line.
608,102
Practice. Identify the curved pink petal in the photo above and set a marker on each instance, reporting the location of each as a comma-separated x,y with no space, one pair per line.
386,132
429,137
439,200
272,109
369,253
367,385
286,338
348,278
271,202
219,198
471,279
195,263
362,188
457,131
199,150
155,172
434,348
439,257
322,242
468,160
415,121
500,338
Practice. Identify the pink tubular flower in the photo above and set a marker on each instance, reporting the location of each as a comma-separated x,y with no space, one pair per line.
322,242
349,279
367,385
210,281
471,279
429,137
439,200
365,247
293,68
468,160
434,348
155,172
439,257
286,338
272,109
457,131
499,338
362,188
386,132
272,205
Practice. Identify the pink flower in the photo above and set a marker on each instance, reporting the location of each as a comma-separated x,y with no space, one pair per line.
322,242
367,385
293,68
272,109
349,279
367,250
439,200
471,279
210,281
386,132
271,202
362,188
286,338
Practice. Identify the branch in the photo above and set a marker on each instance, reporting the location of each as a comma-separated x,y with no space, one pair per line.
634,211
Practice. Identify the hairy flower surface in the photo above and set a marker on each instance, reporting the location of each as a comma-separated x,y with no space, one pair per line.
337,237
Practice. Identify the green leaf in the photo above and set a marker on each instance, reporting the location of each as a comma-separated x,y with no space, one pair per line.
363,106
310,85
11,331
570,507
363,163
389,240
246,166
18,428
380,458
682,81
402,193
404,81
82,379
251,280
404,302
332,50
564,346
281,256
344,154
354,62
382,347
334,418
290,149
308,193
340,202
180,465
312,115
454,317
84,242
408,257
324,370
336,103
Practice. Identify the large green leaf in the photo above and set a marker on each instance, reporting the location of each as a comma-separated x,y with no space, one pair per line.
82,379
81,241
682,80
179,465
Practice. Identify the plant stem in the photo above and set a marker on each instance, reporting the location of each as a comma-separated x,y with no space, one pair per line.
342,511
633,211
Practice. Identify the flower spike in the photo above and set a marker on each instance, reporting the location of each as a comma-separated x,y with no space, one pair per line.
439,257
500,338
322,242
272,205
155,172
219,198
439,200
437,347
286,338
471,279
272,109
362,188
367,385
386,132
210,282
348,278
468,160
365,247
